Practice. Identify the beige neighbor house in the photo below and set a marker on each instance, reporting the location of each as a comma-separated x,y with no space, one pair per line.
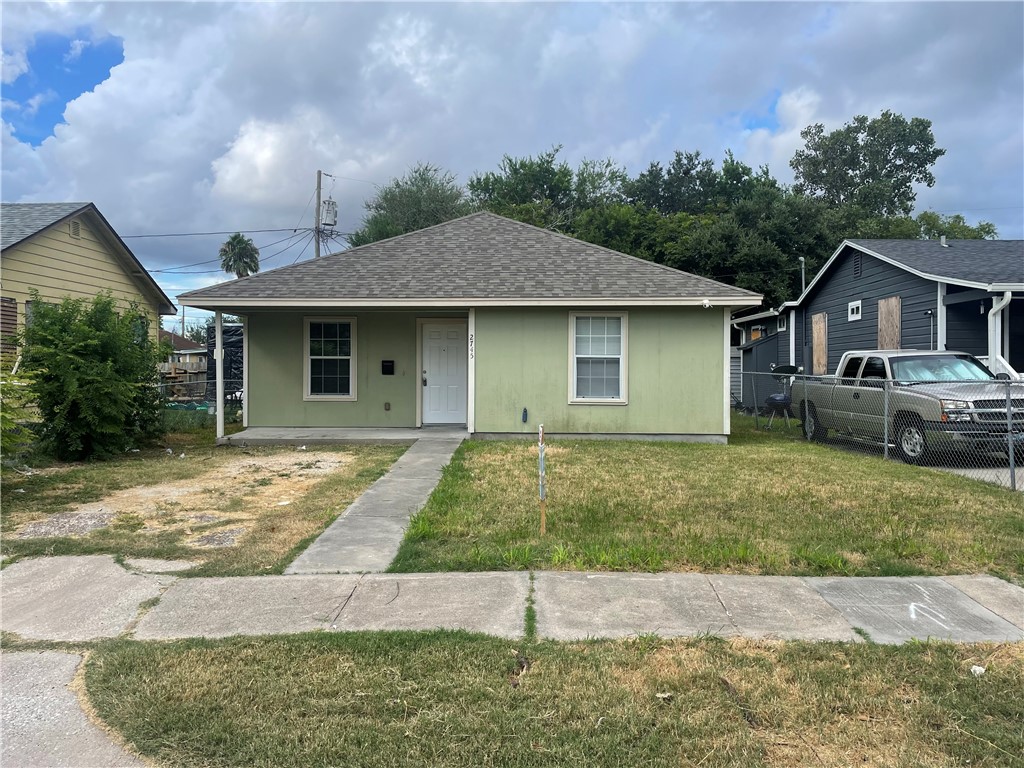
484,324
68,250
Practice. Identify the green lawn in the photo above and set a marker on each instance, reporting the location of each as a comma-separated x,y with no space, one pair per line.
171,505
454,699
765,503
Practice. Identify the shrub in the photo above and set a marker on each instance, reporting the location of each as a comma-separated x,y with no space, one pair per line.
15,410
94,376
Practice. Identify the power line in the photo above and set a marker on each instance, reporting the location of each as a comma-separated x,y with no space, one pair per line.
203,234
217,260
310,240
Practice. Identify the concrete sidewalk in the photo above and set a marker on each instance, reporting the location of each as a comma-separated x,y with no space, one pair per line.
37,594
366,536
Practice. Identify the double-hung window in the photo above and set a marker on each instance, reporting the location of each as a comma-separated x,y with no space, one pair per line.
597,358
330,358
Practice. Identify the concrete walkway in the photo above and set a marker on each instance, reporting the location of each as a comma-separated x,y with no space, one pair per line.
569,606
41,722
366,536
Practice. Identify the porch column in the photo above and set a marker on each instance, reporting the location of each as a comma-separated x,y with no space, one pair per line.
471,373
245,371
218,354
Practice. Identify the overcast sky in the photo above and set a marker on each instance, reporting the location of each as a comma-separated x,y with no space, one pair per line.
177,118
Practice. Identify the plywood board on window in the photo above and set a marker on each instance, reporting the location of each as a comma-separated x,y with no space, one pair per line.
819,343
889,311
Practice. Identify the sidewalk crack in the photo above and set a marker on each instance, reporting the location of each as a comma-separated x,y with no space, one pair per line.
721,602
355,586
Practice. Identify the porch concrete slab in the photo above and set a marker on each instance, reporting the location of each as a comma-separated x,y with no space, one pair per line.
1000,597
576,606
493,603
327,435
41,722
781,607
894,610
353,544
73,597
251,605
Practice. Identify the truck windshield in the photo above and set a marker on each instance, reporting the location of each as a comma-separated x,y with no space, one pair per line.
938,368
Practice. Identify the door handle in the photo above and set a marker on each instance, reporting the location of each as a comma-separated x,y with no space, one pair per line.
424,381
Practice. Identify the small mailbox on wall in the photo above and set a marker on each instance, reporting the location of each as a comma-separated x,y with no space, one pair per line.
387,367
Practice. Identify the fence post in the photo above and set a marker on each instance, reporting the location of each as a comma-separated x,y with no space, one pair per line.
1009,437
757,409
885,418
803,410
542,478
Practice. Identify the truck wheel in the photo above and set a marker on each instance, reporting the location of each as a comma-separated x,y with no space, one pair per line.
911,440
813,428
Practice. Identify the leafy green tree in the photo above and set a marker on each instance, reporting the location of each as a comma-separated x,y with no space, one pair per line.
547,192
196,331
94,377
239,255
870,163
955,227
425,196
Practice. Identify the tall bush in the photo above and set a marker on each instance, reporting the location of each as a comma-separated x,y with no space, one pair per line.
15,410
95,377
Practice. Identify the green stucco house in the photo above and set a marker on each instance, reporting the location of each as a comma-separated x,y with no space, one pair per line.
488,324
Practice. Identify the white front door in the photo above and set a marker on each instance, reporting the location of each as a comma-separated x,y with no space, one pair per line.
444,375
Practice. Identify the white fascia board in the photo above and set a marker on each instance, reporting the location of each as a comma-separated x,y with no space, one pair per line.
758,316
1004,287
214,304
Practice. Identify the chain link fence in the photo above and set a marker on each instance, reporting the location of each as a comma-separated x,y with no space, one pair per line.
201,396
970,427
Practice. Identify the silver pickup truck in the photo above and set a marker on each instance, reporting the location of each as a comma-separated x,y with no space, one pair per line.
937,401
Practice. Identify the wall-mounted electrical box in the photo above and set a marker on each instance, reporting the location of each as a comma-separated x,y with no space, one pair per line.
387,367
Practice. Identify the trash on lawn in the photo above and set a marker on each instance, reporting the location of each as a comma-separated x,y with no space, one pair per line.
301,448
284,503
666,698
170,452
182,456
977,671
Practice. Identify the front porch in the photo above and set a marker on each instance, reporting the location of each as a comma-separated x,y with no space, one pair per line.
324,435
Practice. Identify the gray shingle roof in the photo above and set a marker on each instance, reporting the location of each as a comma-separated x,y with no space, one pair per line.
973,261
477,257
21,220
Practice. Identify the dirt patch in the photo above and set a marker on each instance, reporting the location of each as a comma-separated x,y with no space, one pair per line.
232,494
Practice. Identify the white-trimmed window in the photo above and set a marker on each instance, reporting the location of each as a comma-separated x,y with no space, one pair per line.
330,358
782,324
853,311
597,358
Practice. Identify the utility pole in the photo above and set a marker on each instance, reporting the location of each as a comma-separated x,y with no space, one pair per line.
316,222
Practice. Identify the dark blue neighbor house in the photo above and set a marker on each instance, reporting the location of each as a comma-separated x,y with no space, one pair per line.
963,295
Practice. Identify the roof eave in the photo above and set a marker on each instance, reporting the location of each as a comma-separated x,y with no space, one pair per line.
213,304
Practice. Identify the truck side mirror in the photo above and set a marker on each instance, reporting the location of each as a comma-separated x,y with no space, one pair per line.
1003,376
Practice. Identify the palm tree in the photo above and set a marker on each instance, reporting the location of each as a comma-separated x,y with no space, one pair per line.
240,255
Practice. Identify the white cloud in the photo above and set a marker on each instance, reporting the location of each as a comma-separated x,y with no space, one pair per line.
75,51
220,115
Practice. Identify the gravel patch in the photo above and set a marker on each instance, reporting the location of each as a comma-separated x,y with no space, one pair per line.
226,538
67,524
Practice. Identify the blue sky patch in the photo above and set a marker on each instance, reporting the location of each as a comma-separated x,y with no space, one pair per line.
61,68
763,115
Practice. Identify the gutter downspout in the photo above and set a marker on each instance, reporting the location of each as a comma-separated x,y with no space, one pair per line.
994,353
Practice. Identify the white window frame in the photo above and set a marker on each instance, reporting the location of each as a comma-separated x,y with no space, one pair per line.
781,327
623,398
306,394
854,311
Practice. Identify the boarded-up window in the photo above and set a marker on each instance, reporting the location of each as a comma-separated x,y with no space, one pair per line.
889,335
8,324
819,343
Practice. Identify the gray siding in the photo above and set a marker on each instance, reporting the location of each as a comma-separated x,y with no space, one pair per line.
967,327
878,280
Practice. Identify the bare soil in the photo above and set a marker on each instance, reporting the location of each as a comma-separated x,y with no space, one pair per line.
217,504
